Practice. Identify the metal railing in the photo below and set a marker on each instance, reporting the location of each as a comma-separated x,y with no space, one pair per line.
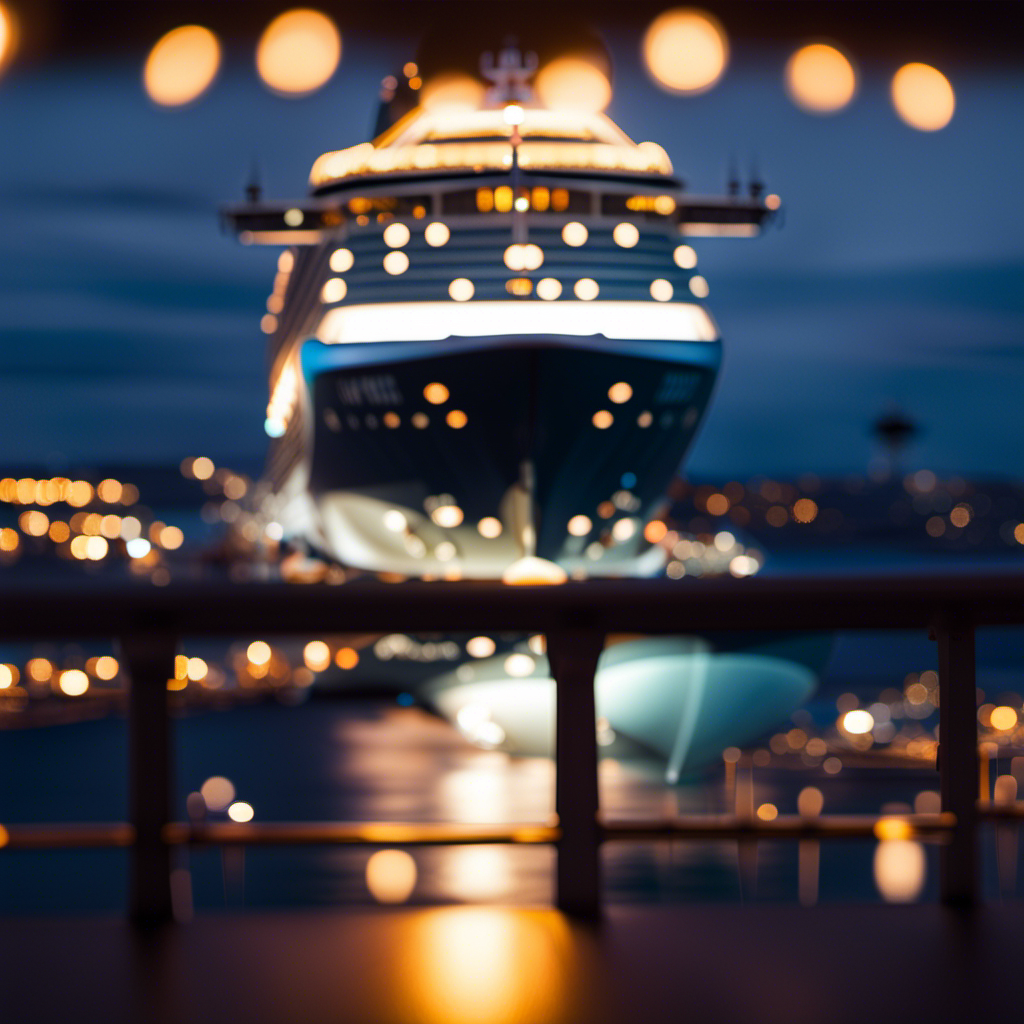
149,623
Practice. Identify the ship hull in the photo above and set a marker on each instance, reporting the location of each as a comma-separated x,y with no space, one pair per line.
526,433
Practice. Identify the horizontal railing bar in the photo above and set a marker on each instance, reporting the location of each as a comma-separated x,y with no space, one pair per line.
329,833
998,811
922,826
66,836
644,606
343,833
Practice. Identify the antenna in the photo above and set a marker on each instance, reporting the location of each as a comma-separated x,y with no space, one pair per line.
254,189
732,185
756,186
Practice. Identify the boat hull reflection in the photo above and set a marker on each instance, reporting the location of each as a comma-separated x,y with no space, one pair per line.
673,696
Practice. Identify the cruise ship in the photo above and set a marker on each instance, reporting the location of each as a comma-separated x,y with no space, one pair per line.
489,353
489,345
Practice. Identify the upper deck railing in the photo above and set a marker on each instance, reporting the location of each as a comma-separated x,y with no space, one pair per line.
149,622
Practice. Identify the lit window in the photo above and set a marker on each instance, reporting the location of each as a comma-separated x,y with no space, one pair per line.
519,286
503,198
461,289
586,288
699,286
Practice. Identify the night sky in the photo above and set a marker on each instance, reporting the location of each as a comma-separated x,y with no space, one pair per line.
129,324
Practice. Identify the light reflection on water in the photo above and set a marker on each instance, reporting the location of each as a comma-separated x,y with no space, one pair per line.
348,761
406,764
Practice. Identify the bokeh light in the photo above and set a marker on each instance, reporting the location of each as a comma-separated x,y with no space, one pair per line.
106,667
217,792
8,36
1003,718
923,97
574,85
391,876
181,66
258,652
241,812
686,50
452,92
900,868
858,722
820,79
298,52
317,655
74,682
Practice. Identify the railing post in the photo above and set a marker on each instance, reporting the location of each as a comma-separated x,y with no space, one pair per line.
573,658
958,758
150,662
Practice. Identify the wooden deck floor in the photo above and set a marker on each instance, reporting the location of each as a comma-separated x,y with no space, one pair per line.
494,964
